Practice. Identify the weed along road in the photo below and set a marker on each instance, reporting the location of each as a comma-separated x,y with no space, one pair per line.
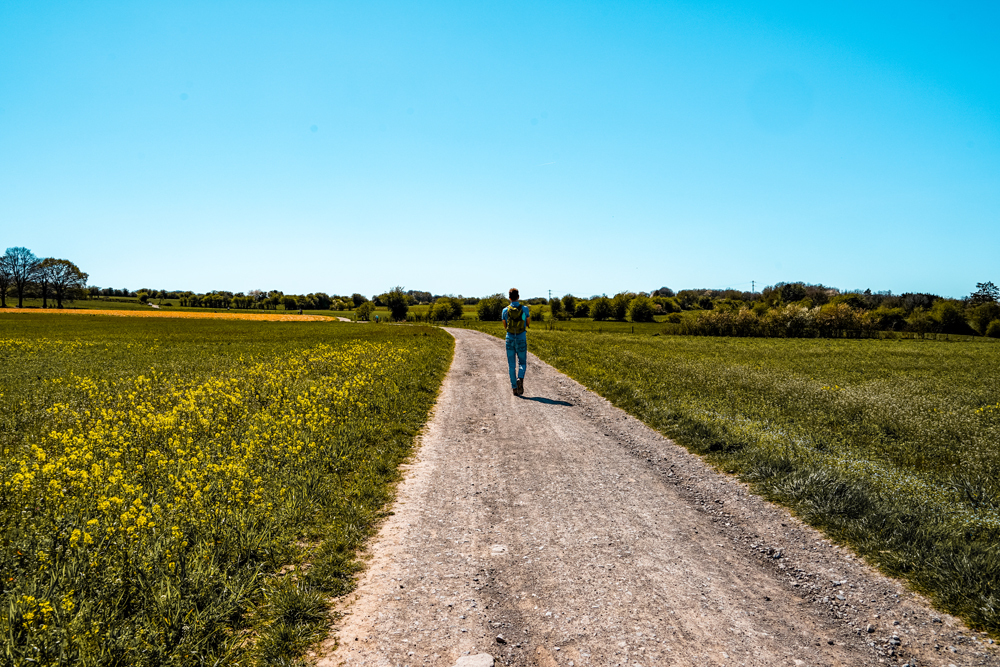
554,529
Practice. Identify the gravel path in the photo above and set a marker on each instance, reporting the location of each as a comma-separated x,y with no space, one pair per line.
554,529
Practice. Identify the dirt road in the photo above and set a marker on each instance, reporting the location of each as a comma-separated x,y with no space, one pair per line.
581,537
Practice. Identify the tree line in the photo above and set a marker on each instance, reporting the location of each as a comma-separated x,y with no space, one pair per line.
27,275
794,309
785,309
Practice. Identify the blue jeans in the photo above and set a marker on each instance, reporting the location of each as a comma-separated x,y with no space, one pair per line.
517,344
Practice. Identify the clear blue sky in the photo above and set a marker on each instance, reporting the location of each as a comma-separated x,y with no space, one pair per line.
469,146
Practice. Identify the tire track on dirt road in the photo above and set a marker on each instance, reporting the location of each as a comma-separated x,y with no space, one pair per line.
582,537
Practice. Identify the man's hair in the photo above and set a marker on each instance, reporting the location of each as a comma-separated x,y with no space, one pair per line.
514,294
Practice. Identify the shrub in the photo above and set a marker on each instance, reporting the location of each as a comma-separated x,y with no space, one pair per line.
364,312
600,309
920,321
674,318
668,305
981,316
447,308
619,305
993,330
555,305
640,309
582,309
489,309
950,318
889,319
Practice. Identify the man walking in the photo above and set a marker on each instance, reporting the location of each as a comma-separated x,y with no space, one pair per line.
516,319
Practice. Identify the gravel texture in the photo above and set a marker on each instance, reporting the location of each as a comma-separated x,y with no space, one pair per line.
554,529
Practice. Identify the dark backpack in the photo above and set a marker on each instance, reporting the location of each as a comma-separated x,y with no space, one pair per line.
515,319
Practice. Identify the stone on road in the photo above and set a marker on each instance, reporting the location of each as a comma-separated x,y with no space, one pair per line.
581,537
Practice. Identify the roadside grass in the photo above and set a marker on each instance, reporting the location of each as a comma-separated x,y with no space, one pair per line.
889,446
194,492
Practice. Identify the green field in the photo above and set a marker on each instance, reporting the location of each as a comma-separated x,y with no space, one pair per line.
161,478
890,446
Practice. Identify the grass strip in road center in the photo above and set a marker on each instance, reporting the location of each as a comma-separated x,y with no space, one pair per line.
157,475
892,447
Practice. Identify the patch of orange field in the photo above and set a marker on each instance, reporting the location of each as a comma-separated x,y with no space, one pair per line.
260,317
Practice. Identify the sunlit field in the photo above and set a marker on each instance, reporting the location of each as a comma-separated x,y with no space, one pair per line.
258,316
890,446
159,474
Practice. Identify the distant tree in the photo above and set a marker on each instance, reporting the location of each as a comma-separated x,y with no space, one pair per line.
791,292
663,291
555,306
358,299
582,309
289,302
397,302
43,279
321,300
23,266
985,293
640,309
600,308
569,304
419,296
6,280
143,297
911,301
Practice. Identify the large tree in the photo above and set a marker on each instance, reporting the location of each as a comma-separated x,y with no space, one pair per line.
43,279
6,279
985,293
23,266
66,279
397,302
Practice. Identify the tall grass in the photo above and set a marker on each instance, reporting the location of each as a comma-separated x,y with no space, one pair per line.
890,446
193,491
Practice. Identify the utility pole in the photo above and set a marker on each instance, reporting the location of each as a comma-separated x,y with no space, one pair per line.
752,290
550,295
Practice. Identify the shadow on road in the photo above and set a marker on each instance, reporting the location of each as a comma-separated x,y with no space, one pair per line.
546,401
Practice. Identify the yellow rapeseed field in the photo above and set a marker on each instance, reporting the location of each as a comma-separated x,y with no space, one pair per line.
144,509
186,314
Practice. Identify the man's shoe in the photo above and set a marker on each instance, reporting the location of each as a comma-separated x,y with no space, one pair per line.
520,386
514,389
